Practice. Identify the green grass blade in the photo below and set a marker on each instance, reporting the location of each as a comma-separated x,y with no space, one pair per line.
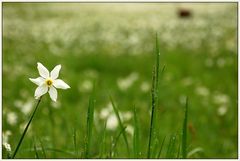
43,149
75,142
136,138
171,147
26,128
157,64
90,117
121,125
184,132
179,148
36,153
103,142
160,151
114,144
154,94
195,151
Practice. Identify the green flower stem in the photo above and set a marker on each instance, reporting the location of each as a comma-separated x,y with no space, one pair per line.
26,128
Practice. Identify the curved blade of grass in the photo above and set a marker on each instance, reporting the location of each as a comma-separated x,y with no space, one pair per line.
116,141
90,116
184,132
26,128
154,93
121,124
194,151
136,136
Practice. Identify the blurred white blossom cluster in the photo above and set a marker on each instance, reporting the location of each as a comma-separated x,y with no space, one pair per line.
205,28
107,114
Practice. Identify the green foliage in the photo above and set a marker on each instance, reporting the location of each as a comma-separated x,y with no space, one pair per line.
114,45
154,91
136,137
90,118
122,128
184,131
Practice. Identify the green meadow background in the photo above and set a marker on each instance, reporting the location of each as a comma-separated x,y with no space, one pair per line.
113,45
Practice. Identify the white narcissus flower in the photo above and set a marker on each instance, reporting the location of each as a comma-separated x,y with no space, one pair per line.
48,82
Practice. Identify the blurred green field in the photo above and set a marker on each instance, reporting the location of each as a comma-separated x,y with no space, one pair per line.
113,44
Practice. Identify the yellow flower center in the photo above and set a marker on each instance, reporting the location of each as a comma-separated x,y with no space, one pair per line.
49,82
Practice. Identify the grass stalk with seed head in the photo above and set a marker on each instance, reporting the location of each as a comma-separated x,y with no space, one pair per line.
154,94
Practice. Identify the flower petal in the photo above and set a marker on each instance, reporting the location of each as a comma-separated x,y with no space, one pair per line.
55,72
42,70
53,93
41,90
58,83
38,81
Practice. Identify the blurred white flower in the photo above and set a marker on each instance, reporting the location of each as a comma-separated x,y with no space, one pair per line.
108,114
182,99
202,91
86,86
7,146
130,130
112,122
126,115
24,107
145,86
12,118
5,136
222,110
18,103
105,112
27,107
48,82
125,83
220,99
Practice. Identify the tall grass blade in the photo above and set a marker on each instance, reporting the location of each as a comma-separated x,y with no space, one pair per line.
160,151
43,149
184,132
136,136
35,150
114,144
90,116
75,142
154,94
103,142
26,128
121,125
171,147
179,148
